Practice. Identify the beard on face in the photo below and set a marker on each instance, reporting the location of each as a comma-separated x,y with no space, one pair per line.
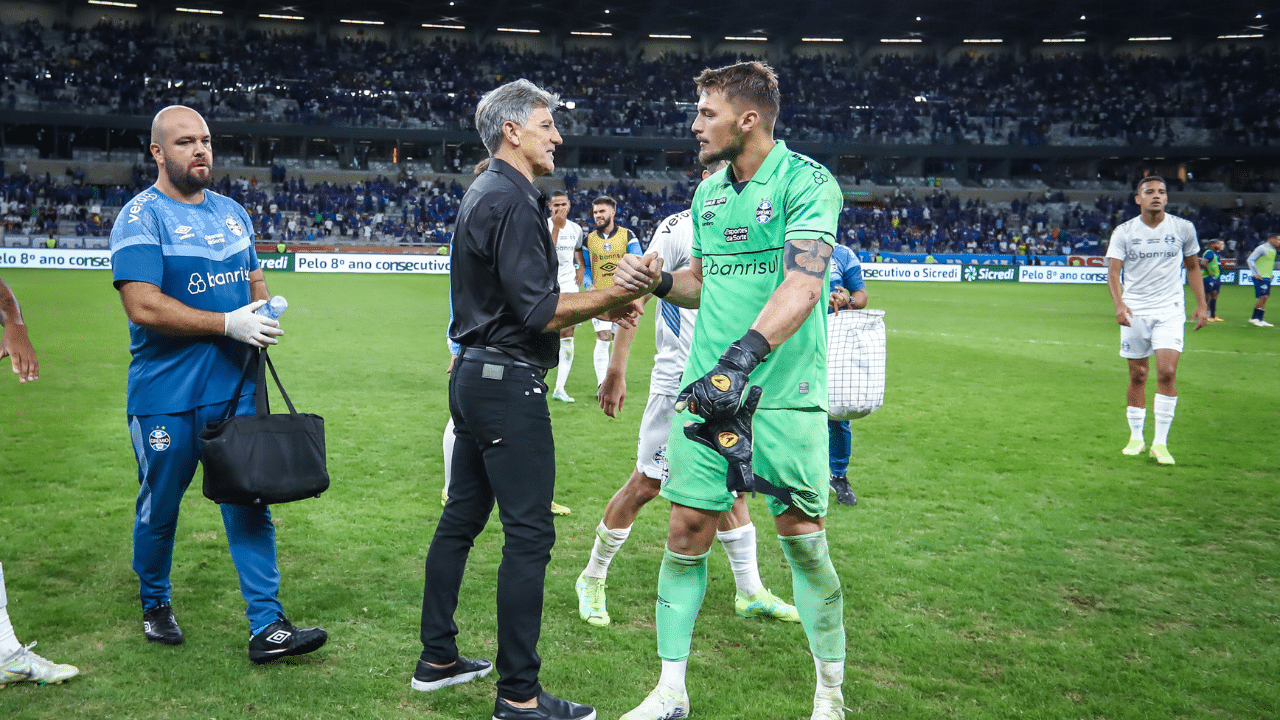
728,153
187,181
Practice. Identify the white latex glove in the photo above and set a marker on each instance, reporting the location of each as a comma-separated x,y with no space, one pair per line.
245,325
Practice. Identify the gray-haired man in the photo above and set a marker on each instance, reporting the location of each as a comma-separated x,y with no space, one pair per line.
508,312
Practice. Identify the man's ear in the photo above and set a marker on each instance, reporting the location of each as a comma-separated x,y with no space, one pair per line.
511,132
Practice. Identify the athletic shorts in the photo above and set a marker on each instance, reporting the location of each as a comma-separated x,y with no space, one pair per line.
1261,288
1212,284
570,288
1148,333
602,325
790,451
655,428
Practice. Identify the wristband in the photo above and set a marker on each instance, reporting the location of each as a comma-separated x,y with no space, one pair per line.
664,285
756,343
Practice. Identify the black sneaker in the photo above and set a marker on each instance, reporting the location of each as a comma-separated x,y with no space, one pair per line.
844,493
159,625
429,677
549,707
282,639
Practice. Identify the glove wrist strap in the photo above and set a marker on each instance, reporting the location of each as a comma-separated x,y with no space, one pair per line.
748,352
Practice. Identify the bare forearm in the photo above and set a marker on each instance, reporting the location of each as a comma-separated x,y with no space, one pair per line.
686,289
622,342
147,307
10,312
258,288
788,308
573,308
1196,281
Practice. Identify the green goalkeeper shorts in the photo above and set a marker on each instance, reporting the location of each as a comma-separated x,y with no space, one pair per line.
789,449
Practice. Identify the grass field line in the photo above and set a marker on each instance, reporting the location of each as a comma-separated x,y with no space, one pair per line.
1032,341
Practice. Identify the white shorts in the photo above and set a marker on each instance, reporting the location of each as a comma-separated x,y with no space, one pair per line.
569,287
602,325
655,427
1147,333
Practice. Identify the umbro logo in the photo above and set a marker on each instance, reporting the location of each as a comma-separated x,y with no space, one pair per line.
182,229
708,215
279,636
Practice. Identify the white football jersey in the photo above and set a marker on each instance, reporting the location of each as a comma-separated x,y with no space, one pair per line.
567,241
1153,263
673,329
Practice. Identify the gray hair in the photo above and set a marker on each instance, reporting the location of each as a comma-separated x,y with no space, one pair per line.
512,102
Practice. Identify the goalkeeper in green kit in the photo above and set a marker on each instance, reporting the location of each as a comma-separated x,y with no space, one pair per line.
756,378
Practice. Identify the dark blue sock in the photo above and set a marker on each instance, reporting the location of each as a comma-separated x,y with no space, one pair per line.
1213,307
1257,314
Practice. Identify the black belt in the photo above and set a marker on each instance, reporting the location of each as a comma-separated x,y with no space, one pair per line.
494,356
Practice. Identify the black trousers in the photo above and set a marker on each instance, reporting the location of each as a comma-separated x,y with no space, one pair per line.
504,452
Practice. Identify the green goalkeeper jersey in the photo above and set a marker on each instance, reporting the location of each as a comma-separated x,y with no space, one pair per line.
739,233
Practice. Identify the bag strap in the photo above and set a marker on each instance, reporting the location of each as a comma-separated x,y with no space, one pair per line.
262,403
244,375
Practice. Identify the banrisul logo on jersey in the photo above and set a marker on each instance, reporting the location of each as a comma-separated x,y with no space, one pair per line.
975,273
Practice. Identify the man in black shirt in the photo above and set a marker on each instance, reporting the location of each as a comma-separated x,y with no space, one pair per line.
507,315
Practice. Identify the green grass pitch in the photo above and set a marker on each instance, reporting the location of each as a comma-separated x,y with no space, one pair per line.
1004,560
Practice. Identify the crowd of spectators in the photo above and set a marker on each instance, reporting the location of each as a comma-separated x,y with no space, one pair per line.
1208,98
408,211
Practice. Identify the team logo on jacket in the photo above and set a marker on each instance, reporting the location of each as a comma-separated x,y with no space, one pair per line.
234,226
158,439
764,211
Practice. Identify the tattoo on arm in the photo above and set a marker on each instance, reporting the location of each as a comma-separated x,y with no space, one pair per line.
806,255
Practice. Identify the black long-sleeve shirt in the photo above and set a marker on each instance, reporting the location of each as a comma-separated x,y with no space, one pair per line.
503,276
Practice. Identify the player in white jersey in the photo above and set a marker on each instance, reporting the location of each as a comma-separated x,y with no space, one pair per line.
673,242
1146,256
568,238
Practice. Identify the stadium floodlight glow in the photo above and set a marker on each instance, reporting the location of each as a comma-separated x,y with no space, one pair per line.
660,36
590,34
900,40
526,31
269,16
198,11
821,39
1062,40
753,38
983,41
1150,39
113,4
361,22
1246,36
444,27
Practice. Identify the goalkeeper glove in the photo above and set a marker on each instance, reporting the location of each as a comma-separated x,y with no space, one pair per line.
718,394
731,437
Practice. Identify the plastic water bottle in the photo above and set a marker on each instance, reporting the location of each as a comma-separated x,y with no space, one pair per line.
274,308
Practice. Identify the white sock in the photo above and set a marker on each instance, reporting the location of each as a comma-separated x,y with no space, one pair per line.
740,545
673,672
1137,421
566,363
448,454
607,544
1165,405
601,358
8,642
830,675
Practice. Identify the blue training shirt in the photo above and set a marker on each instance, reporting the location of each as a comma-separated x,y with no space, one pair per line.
846,270
201,255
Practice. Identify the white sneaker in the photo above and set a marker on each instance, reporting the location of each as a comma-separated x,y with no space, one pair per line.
1255,321
1264,323
26,666
663,703
828,705
562,396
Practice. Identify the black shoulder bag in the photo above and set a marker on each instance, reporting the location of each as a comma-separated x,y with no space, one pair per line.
263,459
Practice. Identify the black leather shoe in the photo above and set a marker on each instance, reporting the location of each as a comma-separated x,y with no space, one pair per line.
159,625
549,707
429,677
282,639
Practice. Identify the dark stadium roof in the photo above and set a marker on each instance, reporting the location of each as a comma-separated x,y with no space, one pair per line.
791,20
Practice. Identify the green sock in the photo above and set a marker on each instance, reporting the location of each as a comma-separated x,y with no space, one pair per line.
682,583
818,596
